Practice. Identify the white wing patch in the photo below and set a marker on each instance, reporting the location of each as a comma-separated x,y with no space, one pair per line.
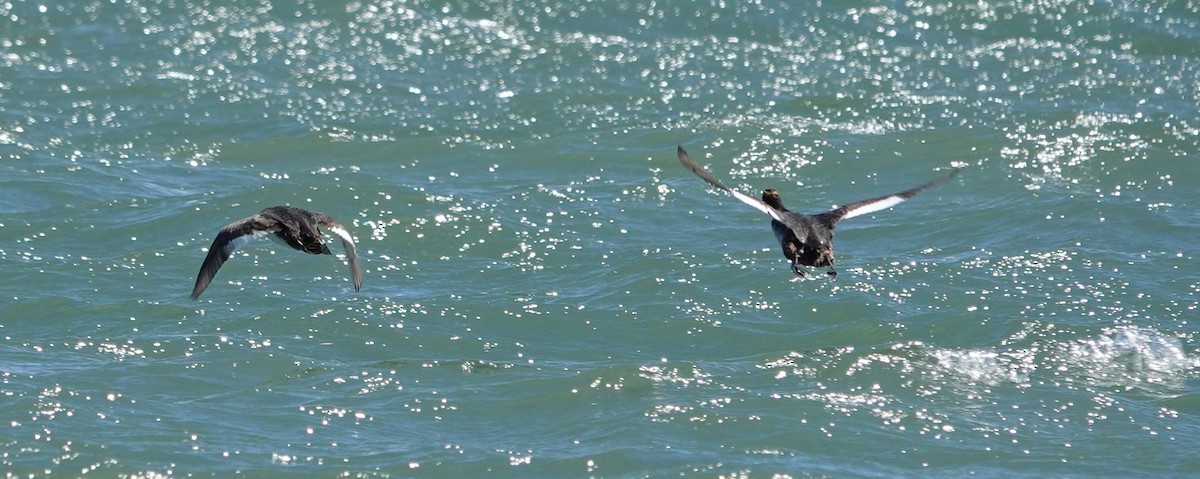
240,241
351,255
882,204
703,173
755,202
347,240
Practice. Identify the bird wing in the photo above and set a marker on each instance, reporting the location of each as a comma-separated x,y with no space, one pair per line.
758,204
872,205
348,243
228,240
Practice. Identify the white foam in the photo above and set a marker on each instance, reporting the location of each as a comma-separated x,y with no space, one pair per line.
1127,356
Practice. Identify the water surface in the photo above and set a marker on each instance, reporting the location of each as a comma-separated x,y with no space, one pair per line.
548,293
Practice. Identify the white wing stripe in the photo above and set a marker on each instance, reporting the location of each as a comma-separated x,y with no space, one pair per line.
882,204
755,202
240,241
351,255
343,234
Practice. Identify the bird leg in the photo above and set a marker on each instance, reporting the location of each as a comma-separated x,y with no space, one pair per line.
826,259
797,268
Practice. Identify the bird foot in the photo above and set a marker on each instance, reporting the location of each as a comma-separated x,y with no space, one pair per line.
832,273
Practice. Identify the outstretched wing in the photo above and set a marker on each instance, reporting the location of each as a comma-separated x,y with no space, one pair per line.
694,167
228,240
881,203
348,243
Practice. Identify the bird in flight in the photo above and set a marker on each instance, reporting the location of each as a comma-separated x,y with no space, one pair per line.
807,240
294,227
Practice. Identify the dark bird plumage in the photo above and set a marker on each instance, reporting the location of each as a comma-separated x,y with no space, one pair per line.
807,240
295,227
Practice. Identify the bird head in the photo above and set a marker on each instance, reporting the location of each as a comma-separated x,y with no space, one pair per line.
771,197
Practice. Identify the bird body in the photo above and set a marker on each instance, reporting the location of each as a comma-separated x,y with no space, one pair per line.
807,240
297,228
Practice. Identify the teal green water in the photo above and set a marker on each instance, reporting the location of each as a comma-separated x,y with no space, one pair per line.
547,292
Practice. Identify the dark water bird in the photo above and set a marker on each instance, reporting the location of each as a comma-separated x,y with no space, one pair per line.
807,240
294,227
